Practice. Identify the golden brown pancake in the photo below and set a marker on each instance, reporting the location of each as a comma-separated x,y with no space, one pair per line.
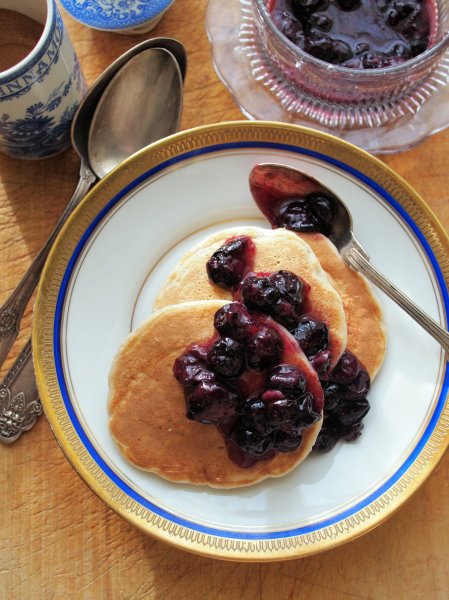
275,249
366,331
147,407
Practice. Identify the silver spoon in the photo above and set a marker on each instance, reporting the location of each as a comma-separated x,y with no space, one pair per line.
12,310
272,182
115,132
19,401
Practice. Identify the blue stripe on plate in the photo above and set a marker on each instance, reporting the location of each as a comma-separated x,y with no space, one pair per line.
239,535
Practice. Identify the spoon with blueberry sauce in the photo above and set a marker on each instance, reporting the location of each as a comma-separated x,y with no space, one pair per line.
294,200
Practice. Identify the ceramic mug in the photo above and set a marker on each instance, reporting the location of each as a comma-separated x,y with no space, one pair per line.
40,93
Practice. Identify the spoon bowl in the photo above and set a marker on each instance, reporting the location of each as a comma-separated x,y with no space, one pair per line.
292,199
275,185
141,104
83,117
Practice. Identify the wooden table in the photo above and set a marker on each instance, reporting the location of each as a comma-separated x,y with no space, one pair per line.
58,540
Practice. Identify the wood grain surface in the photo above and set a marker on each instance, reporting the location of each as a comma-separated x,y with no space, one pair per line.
58,540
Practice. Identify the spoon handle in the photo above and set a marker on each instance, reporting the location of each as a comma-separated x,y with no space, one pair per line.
360,263
12,310
19,399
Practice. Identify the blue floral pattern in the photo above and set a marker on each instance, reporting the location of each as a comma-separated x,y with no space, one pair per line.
115,14
39,133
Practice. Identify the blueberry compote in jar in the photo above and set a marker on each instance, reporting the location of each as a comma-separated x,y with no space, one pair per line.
358,34
352,64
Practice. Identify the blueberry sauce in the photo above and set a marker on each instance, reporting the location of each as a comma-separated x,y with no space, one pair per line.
358,34
247,384
345,403
245,380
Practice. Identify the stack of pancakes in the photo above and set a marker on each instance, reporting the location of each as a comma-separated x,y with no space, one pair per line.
146,402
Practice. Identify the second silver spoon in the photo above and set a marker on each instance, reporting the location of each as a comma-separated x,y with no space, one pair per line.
152,81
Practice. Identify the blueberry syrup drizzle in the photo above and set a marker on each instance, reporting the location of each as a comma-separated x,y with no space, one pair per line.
293,201
245,380
357,34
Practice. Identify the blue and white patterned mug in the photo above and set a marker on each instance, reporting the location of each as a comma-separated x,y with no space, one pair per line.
39,95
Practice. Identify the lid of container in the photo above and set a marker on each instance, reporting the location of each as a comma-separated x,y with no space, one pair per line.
111,15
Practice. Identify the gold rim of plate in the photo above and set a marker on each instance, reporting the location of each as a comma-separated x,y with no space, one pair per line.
143,518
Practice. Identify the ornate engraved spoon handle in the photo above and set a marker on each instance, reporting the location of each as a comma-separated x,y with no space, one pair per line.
11,312
359,262
19,398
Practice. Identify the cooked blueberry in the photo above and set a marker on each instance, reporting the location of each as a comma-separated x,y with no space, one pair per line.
228,264
352,411
321,362
334,394
286,442
419,45
341,52
313,212
373,60
307,415
312,335
320,21
258,293
349,4
362,47
190,369
255,414
360,387
347,369
283,411
288,285
291,27
322,205
319,45
327,437
212,403
401,51
296,215
250,440
233,320
226,357
280,295
400,10
288,379
303,8
286,307
264,349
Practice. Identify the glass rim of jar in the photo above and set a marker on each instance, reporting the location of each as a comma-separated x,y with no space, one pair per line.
426,56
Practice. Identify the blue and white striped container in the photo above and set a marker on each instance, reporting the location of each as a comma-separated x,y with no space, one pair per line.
40,94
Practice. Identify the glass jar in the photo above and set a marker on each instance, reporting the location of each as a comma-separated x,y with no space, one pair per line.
340,97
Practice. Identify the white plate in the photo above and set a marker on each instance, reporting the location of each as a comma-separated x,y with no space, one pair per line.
100,283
